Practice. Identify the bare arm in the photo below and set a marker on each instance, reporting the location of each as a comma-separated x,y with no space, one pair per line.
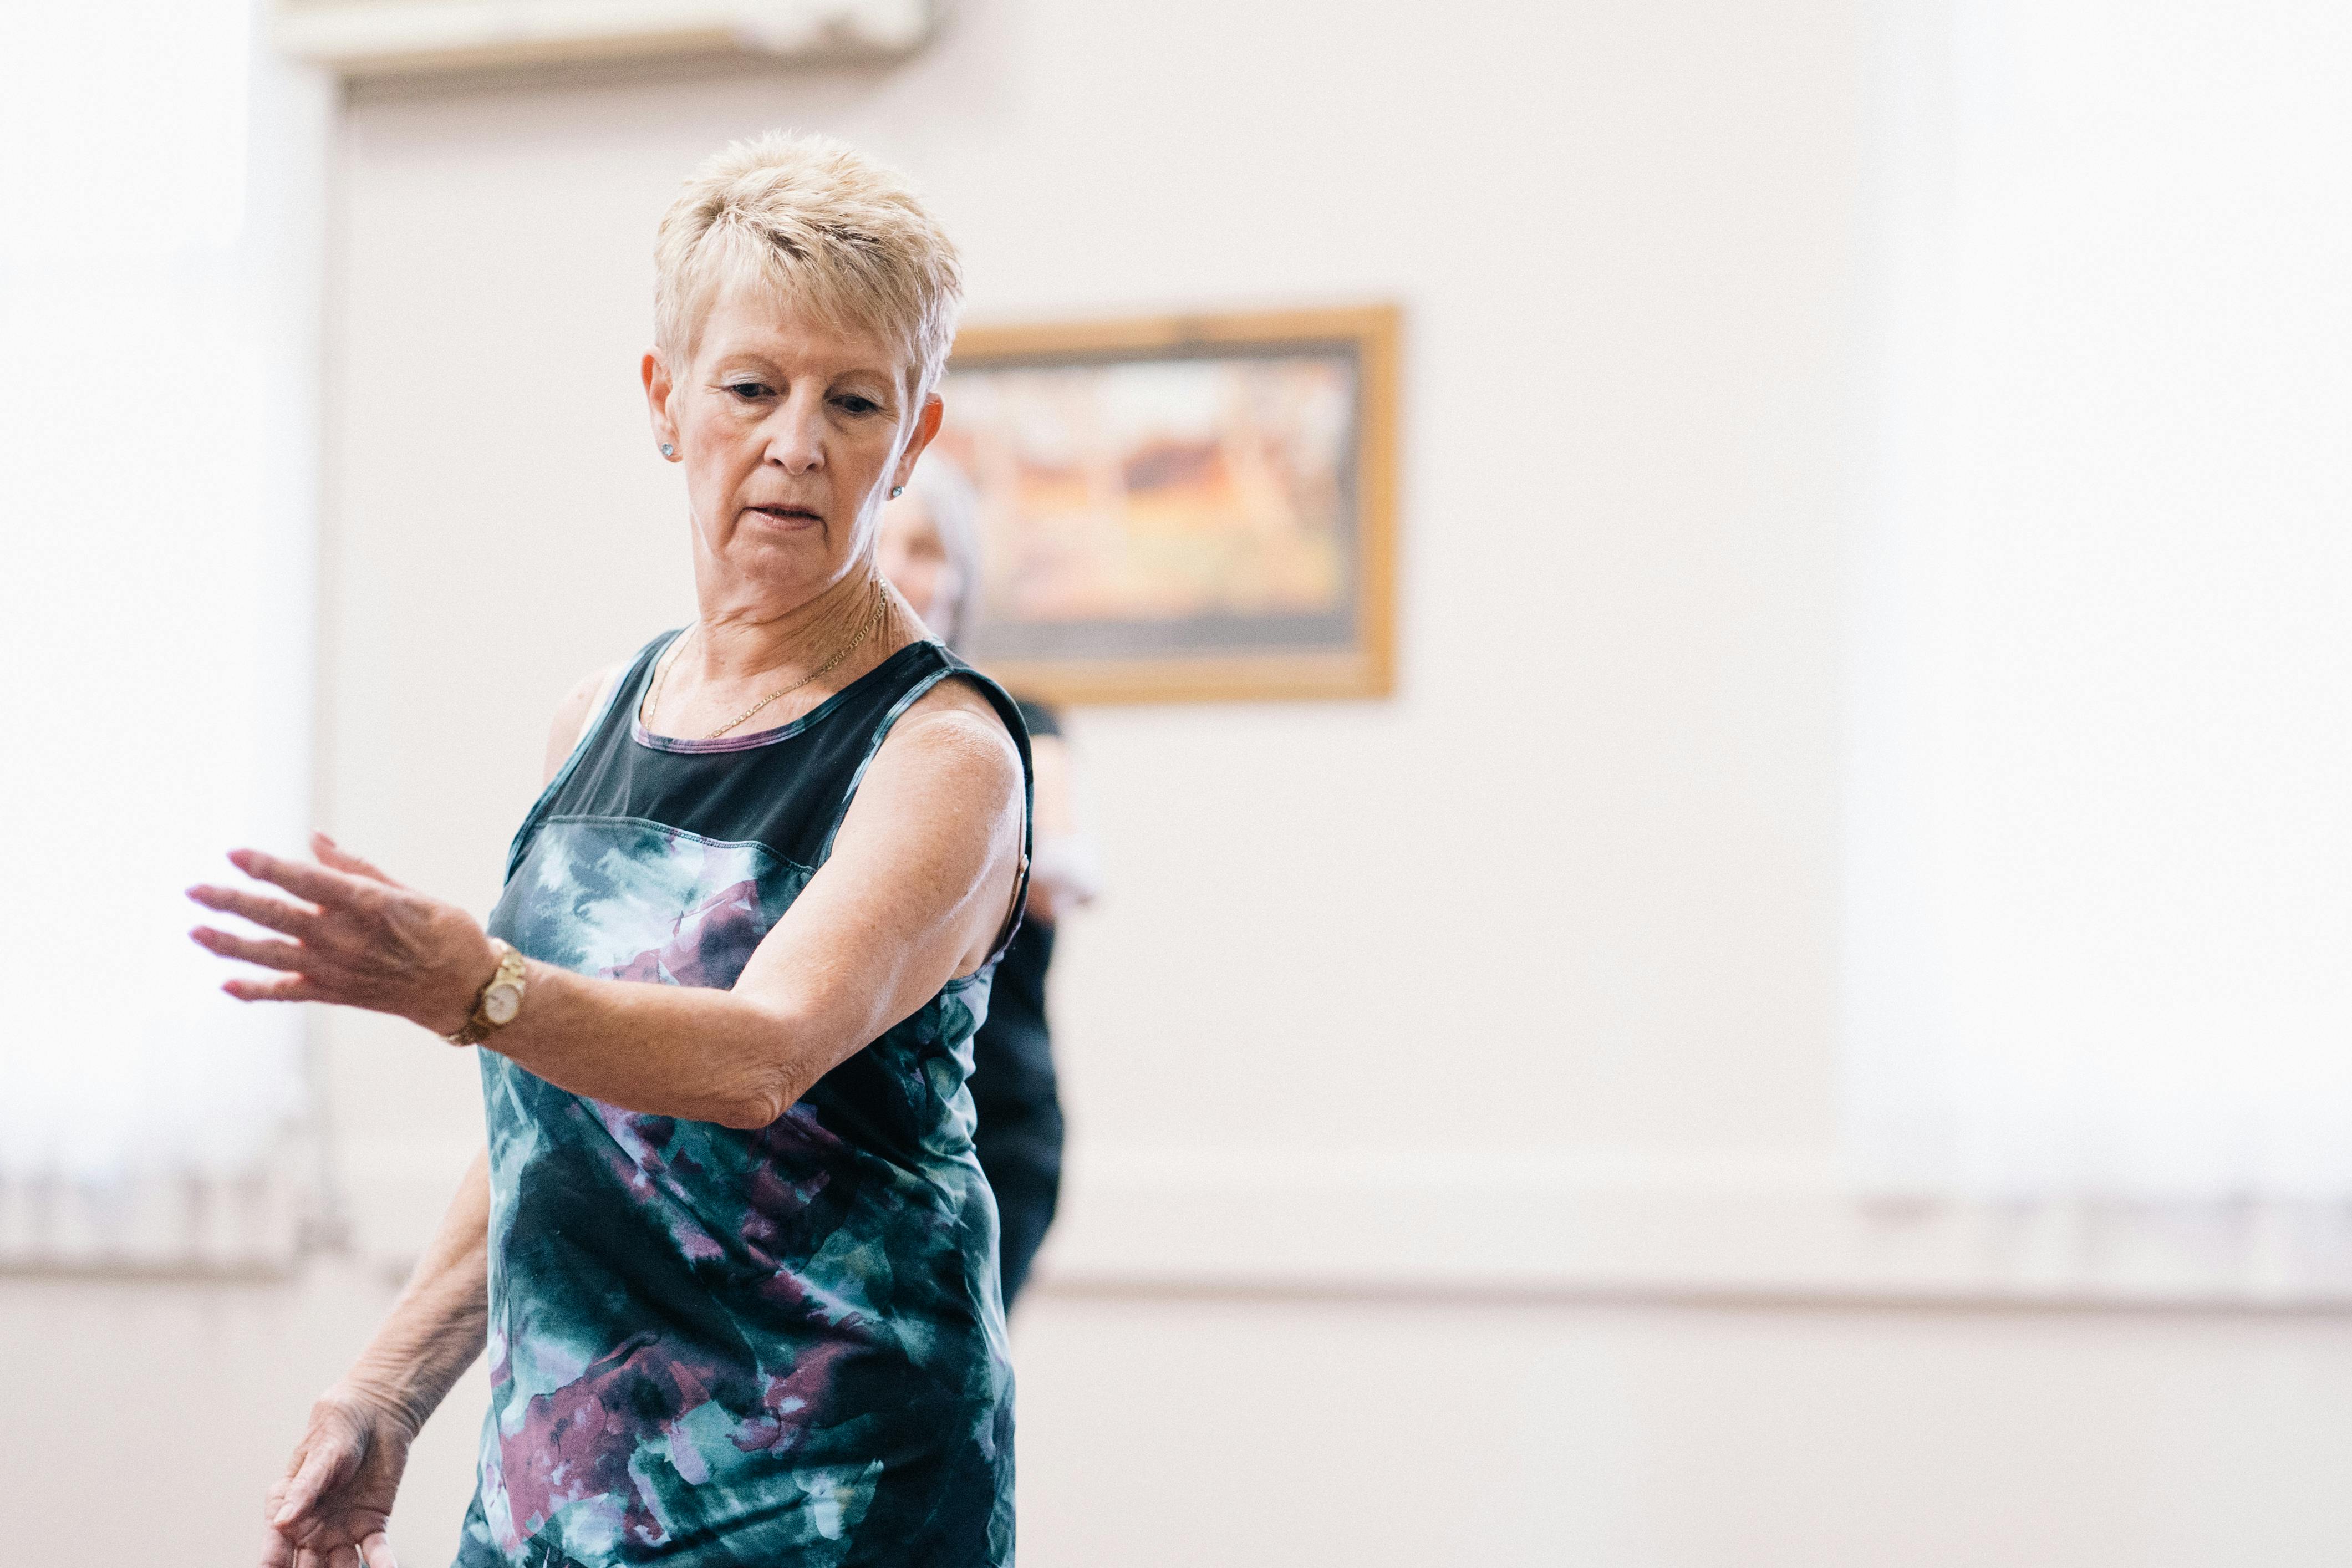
917,887
919,883
337,1491
334,1502
435,1329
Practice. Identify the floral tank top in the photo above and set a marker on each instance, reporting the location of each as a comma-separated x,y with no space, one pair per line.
714,1347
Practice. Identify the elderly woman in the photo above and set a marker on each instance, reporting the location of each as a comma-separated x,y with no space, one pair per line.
930,550
729,1246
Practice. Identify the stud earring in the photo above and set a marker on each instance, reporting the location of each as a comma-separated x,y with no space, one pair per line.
897,491
669,450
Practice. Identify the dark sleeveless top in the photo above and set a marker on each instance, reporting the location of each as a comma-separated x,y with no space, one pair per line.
716,1347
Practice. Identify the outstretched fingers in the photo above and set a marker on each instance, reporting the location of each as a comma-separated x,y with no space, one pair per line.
375,1552
317,883
285,988
330,853
268,954
276,914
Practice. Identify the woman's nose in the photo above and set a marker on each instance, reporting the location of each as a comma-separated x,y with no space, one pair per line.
796,437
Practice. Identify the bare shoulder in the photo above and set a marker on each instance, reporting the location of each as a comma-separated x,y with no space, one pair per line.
952,739
572,715
937,818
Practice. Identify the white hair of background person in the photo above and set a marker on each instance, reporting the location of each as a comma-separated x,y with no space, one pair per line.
1065,868
952,503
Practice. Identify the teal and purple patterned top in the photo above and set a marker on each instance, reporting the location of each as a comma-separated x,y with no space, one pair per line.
714,1347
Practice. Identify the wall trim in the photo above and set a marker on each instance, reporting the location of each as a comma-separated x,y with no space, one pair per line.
1766,1228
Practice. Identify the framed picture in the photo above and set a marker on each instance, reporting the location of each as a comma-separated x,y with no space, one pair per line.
1186,509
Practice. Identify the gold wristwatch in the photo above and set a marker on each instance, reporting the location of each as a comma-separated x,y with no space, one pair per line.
500,1002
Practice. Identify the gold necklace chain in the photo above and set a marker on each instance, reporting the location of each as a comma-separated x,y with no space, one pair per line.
661,671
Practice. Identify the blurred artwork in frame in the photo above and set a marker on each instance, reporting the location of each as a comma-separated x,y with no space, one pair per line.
1195,509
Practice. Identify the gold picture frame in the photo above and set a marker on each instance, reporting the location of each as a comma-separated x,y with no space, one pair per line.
1183,509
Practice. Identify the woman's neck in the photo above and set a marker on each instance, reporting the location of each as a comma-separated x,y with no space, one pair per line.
742,665
746,641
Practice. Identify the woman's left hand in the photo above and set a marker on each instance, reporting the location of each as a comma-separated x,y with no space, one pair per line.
359,939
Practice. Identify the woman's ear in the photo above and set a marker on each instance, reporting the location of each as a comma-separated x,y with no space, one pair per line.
927,425
654,371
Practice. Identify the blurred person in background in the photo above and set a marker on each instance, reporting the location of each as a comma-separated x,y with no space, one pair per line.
930,550
729,1246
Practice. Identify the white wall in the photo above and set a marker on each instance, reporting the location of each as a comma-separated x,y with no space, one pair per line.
1454,1078
1571,890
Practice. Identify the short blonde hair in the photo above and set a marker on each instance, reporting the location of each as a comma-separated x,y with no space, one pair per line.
826,230
952,503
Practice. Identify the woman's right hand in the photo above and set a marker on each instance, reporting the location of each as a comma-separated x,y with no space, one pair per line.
331,1508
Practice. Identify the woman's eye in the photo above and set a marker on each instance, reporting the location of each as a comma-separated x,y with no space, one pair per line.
854,404
748,391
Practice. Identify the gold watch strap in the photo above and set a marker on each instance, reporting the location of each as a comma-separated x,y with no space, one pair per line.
479,1024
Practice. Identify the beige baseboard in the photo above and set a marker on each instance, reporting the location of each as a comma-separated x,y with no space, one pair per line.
1644,1225
1593,1224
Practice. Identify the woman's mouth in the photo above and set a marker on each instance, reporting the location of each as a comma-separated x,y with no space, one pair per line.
790,516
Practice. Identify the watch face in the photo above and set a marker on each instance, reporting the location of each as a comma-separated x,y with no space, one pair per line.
501,1002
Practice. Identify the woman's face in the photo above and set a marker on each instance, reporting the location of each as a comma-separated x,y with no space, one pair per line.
791,433
911,556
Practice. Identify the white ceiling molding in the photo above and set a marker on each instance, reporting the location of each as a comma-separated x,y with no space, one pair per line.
409,37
